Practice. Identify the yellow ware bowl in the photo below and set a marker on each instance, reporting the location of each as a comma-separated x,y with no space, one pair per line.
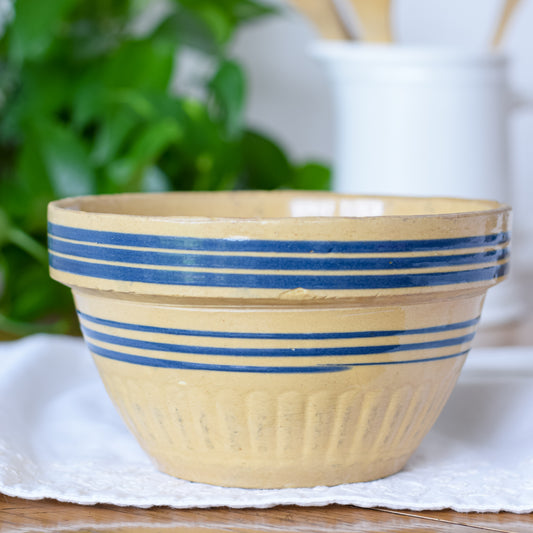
278,339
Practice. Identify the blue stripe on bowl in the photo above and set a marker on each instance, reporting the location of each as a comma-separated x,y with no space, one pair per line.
150,257
273,352
164,363
281,246
274,281
278,336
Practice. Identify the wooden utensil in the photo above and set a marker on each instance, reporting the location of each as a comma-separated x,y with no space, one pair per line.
508,9
324,17
374,18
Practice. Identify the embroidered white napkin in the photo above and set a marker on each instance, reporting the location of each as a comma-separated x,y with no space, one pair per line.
61,438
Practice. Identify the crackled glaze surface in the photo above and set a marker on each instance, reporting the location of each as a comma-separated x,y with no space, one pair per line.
278,339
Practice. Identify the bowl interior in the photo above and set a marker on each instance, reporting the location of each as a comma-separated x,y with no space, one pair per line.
278,204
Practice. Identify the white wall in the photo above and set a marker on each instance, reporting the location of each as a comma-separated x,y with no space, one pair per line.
289,95
290,98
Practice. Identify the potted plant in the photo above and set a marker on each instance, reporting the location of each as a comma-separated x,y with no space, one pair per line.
88,107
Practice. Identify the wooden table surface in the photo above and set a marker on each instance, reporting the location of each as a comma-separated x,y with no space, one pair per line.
46,515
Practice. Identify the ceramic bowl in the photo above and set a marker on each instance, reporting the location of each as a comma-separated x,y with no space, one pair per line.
280,339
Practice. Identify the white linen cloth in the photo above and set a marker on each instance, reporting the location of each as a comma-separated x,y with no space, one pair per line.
61,438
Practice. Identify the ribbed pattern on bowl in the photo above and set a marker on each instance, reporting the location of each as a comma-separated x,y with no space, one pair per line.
239,435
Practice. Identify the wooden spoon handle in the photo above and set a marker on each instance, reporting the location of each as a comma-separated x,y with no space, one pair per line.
324,16
374,18
507,12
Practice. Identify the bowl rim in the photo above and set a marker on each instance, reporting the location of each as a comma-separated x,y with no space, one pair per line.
73,205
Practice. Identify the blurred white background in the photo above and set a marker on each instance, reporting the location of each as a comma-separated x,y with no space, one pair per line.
291,101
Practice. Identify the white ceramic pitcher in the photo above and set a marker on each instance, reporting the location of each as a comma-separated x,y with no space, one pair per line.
423,121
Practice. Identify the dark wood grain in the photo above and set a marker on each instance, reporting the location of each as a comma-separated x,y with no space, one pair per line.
509,522
44,515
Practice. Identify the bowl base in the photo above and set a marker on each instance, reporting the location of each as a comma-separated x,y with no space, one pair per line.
283,475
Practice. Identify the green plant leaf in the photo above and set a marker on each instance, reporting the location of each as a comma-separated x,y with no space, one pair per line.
26,190
25,242
187,29
141,64
24,207
42,91
228,88
35,294
4,266
217,19
154,139
265,164
31,171
246,10
5,225
88,101
133,99
224,16
112,133
66,160
87,108
19,329
34,28
311,176
146,148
